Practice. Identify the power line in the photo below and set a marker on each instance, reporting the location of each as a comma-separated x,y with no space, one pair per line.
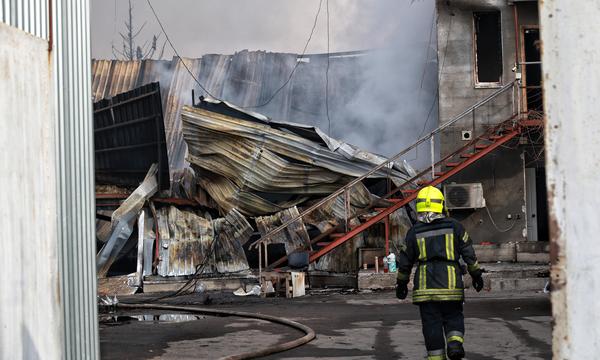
428,49
312,31
327,76
177,53
436,98
217,98
437,93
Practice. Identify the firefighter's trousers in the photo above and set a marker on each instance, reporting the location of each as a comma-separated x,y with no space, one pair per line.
443,322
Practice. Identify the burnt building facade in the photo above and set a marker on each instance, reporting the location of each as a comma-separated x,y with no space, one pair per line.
489,71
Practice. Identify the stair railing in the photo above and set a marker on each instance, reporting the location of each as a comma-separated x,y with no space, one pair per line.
515,108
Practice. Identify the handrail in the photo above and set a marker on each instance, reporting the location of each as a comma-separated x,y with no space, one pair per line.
345,188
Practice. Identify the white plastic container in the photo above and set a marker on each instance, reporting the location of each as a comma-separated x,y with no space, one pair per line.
391,261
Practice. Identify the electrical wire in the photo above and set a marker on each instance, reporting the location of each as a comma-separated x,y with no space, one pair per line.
216,97
496,226
437,93
428,49
312,31
193,281
177,53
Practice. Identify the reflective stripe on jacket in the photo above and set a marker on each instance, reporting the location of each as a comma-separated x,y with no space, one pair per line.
436,249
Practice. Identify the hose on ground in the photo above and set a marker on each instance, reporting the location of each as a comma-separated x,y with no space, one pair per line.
273,349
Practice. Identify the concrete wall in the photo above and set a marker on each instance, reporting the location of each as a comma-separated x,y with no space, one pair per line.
571,57
501,173
455,54
30,312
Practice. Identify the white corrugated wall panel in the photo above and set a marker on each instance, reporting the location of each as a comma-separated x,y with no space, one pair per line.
72,59
28,15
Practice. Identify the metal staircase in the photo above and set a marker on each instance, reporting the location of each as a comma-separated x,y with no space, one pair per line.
484,140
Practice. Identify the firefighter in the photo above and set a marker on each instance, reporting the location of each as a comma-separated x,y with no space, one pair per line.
437,243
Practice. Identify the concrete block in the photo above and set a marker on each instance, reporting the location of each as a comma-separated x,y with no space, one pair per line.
321,279
370,280
533,247
160,284
533,252
496,252
533,257
518,284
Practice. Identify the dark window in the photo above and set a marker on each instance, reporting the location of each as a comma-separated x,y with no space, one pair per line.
488,47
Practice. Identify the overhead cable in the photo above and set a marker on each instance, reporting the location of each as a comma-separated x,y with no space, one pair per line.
177,53
289,78
312,31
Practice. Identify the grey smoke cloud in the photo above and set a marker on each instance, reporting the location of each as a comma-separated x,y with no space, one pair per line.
397,80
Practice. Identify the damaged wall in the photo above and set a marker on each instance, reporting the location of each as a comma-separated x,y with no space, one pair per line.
502,172
30,321
189,241
573,164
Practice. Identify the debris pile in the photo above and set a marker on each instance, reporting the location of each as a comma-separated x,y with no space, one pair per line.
247,176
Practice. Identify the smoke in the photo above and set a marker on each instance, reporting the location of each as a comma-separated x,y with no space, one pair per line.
386,105
395,102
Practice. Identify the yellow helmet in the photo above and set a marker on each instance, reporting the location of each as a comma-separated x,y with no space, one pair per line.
430,199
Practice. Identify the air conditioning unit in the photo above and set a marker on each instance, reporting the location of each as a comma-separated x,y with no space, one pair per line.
464,196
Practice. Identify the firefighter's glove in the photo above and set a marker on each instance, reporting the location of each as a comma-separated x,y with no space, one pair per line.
401,289
478,282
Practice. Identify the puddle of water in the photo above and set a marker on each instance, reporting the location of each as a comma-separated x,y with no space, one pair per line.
156,318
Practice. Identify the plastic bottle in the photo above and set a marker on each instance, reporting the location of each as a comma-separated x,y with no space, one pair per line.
391,260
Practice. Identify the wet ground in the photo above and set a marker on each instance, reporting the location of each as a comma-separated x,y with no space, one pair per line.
348,326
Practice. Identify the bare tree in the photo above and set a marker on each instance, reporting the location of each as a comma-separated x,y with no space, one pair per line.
131,50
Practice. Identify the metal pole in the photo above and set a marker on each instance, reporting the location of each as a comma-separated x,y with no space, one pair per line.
260,267
387,235
266,255
512,109
346,205
140,250
432,147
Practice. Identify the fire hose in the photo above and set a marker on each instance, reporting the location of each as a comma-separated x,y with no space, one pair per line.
309,333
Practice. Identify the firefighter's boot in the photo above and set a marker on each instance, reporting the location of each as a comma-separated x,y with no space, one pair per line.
455,350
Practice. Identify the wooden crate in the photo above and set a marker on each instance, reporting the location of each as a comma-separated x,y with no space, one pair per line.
286,283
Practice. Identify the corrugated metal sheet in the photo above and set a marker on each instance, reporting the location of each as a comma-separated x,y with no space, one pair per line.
295,237
129,136
123,220
247,78
187,241
73,112
72,79
261,167
28,15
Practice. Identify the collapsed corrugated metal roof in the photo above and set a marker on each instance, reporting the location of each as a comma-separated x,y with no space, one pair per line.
246,78
261,166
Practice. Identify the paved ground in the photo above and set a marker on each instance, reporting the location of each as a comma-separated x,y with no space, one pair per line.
348,326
